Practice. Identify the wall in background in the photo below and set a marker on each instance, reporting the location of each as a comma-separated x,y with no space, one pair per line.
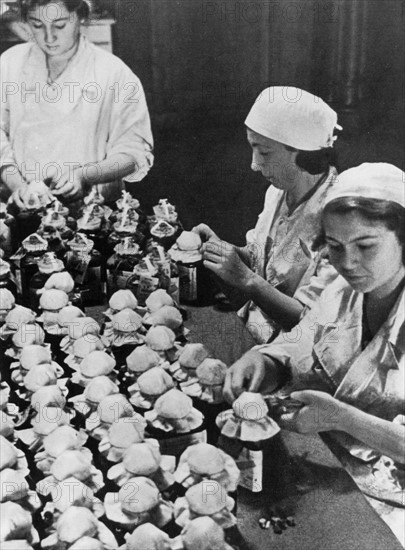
206,60
203,62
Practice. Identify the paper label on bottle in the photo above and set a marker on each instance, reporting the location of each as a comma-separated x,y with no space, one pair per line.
187,283
250,464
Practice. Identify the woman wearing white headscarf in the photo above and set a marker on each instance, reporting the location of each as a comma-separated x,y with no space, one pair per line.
290,132
345,361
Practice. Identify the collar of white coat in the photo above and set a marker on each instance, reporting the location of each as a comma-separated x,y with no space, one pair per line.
38,56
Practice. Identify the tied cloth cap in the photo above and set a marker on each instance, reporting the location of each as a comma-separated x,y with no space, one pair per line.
378,180
293,117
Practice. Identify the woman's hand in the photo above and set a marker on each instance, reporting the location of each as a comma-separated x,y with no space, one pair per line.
252,372
223,259
204,232
70,184
321,413
21,196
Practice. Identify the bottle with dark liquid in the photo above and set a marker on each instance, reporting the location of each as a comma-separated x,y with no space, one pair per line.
120,266
26,262
85,263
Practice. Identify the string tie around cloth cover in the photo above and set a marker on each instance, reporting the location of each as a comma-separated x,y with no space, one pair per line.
248,419
207,498
204,461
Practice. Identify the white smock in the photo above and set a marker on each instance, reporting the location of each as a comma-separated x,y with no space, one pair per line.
96,108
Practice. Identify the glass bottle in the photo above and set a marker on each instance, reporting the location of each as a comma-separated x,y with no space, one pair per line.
86,266
120,265
33,248
144,280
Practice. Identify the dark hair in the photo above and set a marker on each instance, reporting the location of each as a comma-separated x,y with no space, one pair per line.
315,162
81,7
391,214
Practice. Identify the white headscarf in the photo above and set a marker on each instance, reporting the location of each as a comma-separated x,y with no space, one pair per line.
377,180
293,117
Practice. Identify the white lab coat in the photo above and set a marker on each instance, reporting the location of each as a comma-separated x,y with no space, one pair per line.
96,108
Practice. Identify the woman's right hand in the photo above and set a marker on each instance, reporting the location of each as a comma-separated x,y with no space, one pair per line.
22,195
205,232
252,372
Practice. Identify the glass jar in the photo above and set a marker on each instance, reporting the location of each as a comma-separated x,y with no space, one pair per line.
118,235
121,264
87,268
144,280
93,224
195,283
26,263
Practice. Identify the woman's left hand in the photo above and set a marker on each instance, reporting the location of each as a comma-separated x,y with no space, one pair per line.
222,258
321,412
70,184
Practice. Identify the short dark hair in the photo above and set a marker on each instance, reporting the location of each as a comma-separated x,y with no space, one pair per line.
81,7
391,214
315,162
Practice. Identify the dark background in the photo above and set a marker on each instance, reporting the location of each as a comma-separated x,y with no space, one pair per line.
203,63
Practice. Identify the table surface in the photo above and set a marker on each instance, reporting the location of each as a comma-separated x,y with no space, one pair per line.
301,475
